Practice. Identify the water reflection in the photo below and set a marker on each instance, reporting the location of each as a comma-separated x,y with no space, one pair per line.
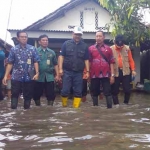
139,137
61,133
86,137
93,128
56,139
2,144
32,137
142,120
5,130
133,145
57,149
2,137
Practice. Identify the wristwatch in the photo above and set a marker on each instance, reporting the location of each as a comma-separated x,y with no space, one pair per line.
37,72
113,75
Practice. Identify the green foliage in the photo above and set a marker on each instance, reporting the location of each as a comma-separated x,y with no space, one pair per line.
127,17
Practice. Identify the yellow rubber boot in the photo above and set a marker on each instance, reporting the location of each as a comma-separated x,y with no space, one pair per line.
76,102
64,101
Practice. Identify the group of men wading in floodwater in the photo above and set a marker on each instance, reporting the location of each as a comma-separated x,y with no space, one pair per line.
35,71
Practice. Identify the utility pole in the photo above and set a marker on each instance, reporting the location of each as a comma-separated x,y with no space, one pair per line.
8,21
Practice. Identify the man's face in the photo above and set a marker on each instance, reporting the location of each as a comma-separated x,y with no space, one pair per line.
119,43
77,37
119,40
99,38
44,42
22,38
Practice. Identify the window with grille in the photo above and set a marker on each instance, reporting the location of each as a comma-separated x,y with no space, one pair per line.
81,19
96,20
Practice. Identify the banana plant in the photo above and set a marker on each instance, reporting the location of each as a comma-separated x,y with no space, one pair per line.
127,19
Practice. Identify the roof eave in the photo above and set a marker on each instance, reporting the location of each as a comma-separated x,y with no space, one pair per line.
57,13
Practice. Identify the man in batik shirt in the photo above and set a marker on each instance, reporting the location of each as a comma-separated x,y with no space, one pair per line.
101,69
23,59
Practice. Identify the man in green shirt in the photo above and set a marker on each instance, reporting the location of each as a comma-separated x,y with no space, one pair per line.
47,66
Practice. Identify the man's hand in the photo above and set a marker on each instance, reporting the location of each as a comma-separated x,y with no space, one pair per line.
112,80
87,75
89,80
133,73
57,78
61,72
36,77
4,80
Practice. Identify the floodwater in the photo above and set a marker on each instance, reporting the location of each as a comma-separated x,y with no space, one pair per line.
86,128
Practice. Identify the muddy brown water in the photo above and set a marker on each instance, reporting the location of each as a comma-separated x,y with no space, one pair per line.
86,128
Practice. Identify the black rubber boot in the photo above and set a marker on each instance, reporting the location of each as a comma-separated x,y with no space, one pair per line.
27,104
115,100
95,100
1,98
37,102
50,103
126,98
14,103
109,101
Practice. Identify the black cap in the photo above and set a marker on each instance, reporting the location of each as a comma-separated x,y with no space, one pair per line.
119,37
119,40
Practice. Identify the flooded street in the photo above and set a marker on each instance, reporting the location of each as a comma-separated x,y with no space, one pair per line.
86,128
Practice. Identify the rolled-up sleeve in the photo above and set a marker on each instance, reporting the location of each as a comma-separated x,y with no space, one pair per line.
63,50
36,57
131,61
90,55
55,60
86,56
111,57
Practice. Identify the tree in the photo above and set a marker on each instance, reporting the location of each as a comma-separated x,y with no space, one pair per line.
127,19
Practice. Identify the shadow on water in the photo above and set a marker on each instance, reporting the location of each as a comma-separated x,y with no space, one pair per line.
86,128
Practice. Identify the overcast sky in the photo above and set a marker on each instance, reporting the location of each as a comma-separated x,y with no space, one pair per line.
24,13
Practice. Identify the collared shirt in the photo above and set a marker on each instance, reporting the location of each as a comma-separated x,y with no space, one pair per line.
46,65
2,58
99,67
63,50
23,60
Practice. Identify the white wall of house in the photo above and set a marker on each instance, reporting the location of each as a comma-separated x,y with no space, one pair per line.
72,17
59,35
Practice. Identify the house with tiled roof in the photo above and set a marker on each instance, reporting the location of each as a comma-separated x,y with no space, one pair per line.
59,24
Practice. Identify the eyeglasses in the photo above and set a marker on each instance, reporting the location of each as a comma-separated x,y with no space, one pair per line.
23,37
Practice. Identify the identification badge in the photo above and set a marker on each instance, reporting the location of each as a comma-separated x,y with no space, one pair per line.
48,62
29,61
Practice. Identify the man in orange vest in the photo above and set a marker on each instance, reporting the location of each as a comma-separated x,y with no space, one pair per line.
124,67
